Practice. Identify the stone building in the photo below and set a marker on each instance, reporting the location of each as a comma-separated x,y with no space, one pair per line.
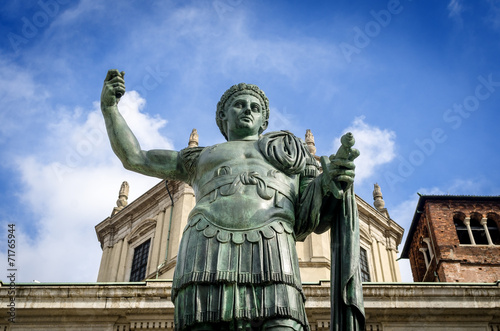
455,239
140,240
146,305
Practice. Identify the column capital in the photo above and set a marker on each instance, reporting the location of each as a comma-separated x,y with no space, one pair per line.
484,223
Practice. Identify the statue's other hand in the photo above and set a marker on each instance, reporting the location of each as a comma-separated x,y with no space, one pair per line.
338,172
341,171
113,89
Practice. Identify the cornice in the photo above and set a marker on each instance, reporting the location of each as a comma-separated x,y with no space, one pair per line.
398,295
385,225
154,200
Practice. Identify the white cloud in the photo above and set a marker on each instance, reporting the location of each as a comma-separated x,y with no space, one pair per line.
376,147
455,9
20,96
493,17
473,186
224,44
281,120
144,126
74,191
404,211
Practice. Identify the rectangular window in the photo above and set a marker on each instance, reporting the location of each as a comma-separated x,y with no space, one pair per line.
365,271
140,262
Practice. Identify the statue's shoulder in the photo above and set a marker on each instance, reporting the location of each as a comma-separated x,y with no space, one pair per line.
278,134
189,158
285,151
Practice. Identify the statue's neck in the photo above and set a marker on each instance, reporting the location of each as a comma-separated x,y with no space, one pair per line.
243,137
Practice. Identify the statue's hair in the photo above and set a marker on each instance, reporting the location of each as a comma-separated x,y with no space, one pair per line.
234,91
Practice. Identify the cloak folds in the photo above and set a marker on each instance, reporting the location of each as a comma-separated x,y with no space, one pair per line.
318,212
346,289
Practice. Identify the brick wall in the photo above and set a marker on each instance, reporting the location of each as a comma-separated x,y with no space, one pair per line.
454,262
417,260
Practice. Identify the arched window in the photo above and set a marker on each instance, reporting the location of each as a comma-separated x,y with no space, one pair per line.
478,230
462,232
492,224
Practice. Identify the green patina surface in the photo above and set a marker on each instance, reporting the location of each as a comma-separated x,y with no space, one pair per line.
256,195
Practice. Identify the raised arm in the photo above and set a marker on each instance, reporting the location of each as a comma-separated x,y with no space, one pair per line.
156,163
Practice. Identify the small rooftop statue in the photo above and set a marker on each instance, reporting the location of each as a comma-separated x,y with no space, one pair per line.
310,142
378,202
256,194
122,198
193,139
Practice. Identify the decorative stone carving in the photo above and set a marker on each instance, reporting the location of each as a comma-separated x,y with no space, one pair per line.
379,202
310,142
193,139
122,198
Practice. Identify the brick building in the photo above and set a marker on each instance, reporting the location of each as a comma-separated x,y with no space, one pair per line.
455,239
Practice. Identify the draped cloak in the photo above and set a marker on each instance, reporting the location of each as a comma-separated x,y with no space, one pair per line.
252,272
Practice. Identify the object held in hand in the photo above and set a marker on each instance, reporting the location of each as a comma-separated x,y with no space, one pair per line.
345,152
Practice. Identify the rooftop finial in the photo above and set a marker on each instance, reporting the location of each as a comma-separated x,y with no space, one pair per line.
122,198
379,202
193,139
310,142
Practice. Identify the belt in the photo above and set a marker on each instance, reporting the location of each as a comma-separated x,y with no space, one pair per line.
228,184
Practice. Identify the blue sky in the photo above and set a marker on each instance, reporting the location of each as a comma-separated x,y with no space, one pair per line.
417,82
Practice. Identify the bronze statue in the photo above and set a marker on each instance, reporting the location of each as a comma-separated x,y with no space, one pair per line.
237,266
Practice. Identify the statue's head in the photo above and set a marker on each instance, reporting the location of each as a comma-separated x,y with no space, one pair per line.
230,94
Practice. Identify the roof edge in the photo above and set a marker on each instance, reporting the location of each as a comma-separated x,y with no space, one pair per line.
421,201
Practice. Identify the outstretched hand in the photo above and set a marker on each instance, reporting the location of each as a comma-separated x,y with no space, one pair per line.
113,89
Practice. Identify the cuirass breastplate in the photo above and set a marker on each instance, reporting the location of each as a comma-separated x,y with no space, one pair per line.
241,190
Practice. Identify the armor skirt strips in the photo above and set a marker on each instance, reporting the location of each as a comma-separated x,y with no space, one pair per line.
223,275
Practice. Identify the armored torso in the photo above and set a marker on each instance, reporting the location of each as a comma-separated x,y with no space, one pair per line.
237,257
239,189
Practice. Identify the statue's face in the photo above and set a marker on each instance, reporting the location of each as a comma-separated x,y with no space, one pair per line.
244,116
